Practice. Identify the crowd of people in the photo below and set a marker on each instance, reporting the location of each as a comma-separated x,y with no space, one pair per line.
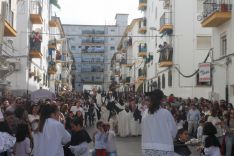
58,127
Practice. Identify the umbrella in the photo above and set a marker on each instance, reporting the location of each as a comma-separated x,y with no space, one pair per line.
42,94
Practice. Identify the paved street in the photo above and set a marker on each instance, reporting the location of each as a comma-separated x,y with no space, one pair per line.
131,146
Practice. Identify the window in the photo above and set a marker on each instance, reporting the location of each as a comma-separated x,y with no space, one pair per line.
163,81
112,48
112,30
223,45
203,42
169,78
112,39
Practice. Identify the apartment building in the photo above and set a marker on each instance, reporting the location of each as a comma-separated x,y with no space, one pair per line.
218,15
178,44
93,47
7,32
133,51
33,47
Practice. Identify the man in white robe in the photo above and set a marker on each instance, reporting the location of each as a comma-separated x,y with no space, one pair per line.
123,123
50,141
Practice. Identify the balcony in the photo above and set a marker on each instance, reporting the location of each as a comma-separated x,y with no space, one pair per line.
92,50
58,57
36,12
35,45
128,79
142,5
53,22
52,44
92,42
52,68
166,55
166,23
142,50
142,26
141,75
93,32
216,12
9,30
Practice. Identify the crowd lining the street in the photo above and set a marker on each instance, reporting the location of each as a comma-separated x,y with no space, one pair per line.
168,125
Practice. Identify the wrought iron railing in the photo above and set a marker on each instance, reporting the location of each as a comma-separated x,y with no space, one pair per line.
142,23
166,19
36,7
211,6
166,54
142,48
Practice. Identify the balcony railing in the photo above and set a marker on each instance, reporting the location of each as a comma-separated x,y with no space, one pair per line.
52,43
93,50
142,5
53,21
93,41
142,26
36,12
166,56
9,21
35,45
216,12
142,49
52,67
166,22
90,32
128,79
141,74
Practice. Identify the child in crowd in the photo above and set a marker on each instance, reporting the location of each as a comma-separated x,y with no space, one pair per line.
100,139
80,139
200,129
179,145
211,145
22,146
111,146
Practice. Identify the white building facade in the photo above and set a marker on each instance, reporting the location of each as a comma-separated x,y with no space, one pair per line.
35,24
178,44
93,47
218,15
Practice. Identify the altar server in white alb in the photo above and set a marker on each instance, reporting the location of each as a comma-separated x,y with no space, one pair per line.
51,134
158,128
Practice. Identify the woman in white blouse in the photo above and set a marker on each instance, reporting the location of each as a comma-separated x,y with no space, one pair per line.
158,128
51,134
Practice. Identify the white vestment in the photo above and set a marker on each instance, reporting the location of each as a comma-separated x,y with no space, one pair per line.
50,141
104,114
123,124
135,127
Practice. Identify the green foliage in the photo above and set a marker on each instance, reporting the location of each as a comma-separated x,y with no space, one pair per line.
55,3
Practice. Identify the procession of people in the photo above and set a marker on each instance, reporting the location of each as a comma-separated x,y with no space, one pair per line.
167,124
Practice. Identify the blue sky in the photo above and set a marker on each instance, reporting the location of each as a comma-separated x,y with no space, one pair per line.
96,12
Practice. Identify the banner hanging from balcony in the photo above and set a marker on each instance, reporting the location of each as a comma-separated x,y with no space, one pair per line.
204,72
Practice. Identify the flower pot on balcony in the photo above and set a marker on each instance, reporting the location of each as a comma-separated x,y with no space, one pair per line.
224,7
